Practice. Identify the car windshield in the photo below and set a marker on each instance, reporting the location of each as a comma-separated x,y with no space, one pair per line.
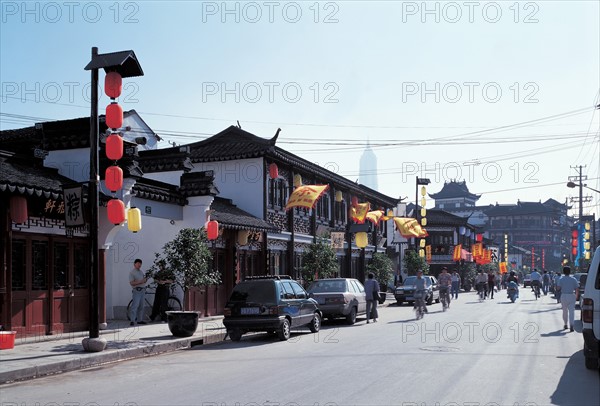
327,286
256,291
411,280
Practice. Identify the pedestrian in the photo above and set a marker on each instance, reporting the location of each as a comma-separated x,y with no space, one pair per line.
556,288
455,284
137,280
569,288
545,282
161,296
372,296
491,283
481,284
445,283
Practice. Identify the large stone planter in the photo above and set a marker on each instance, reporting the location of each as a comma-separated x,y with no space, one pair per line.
183,323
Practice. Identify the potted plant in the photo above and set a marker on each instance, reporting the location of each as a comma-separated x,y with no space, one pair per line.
189,261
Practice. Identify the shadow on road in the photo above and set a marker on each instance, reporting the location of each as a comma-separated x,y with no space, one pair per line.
577,386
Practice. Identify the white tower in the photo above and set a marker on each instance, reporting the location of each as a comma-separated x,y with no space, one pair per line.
368,168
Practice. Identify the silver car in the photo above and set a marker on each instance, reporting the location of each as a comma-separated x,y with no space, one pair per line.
339,297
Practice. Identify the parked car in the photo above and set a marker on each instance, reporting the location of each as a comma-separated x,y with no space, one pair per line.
274,304
339,297
590,314
405,292
527,281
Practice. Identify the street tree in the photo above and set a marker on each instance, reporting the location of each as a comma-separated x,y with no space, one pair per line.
319,261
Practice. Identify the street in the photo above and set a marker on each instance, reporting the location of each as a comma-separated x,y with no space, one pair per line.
477,353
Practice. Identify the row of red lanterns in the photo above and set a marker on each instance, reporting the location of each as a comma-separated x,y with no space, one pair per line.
113,176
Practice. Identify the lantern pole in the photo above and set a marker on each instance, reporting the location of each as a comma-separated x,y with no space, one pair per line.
94,343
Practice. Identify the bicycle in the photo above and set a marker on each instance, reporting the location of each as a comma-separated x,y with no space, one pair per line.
444,298
536,289
173,302
420,308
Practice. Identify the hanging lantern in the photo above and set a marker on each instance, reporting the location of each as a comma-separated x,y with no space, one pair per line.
18,209
297,180
243,237
423,202
574,243
422,243
421,252
134,219
114,116
273,171
354,201
361,239
587,245
423,191
479,237
462,230
587,255
574,233
338,196
574,251
467,233
424,221
586,236
587,226
113,178
212,230
113,84
116,211
423,212
114,147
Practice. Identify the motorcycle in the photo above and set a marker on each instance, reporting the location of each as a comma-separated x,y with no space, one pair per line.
513,291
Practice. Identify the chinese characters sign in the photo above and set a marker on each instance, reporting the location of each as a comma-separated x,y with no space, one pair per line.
73,206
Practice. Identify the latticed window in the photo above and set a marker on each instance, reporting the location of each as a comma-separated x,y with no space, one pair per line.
278,193
323,207
340,211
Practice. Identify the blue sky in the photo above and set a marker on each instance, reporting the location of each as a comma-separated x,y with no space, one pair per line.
395,73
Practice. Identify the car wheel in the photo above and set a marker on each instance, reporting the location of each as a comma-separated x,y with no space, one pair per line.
315,324
590,363
351,318
284,331
235,334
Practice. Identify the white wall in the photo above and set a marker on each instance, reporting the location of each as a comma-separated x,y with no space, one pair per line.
241,181
72,163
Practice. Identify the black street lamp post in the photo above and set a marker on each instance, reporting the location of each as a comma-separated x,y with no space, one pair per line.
126,64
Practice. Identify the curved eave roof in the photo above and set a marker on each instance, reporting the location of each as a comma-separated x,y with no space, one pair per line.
231,217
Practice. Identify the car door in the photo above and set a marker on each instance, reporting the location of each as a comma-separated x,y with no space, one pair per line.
290,305
307,306
361,296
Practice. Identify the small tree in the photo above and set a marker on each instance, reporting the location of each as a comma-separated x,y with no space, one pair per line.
413,262
383,268
319,261
188,259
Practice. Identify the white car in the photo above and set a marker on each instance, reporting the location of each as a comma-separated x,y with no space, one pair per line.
590,315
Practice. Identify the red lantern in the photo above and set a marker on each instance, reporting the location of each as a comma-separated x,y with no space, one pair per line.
273,171
479,237
354,201
114,116
116,211
113,178
113,84
18,209
212,230
574,251
114,147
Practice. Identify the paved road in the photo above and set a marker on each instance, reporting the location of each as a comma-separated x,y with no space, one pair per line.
493,352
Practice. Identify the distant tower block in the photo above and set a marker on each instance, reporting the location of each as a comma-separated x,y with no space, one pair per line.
368,168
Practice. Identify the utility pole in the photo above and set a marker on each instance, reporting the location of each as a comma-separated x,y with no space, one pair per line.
578,180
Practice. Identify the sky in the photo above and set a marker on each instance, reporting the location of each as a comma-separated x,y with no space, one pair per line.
499,94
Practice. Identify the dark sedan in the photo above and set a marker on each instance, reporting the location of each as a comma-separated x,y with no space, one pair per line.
339,297
405,293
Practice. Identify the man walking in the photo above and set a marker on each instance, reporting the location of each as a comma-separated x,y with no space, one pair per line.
372,293
568,288
137,280
455,284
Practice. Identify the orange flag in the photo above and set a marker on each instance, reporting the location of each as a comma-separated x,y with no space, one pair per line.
306,196
457,255
359,212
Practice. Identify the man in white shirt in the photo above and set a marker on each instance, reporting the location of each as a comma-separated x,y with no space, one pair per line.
569,287
536,280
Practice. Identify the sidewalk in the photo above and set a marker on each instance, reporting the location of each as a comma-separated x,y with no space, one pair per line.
33,357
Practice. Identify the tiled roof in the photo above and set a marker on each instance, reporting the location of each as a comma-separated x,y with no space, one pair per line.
440,217
520,209
230,216
158,191
454,189
18,175
198,184
166,159
231,143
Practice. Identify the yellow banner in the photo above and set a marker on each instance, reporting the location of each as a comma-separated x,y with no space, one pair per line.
375,216
409,227
359,212
503,267
457,255
306,196
477,250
